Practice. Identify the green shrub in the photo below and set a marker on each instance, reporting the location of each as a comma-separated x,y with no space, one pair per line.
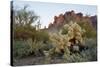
29,47
20,49
90,31
64,31
42,36
89,54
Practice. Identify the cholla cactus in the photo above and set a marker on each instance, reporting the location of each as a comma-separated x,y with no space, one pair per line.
74,31
61,41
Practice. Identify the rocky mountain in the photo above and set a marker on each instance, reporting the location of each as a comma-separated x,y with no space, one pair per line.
62,19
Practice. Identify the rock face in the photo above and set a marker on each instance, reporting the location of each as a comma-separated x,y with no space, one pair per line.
57,21
62,19
94,21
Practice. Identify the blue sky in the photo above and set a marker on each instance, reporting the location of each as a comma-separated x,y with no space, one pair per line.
47,11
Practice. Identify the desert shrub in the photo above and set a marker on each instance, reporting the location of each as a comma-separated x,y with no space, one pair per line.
28,40
26,48
70,58
84,56
37,47
92,49
20,49
90,30
23,33
64,30
42,36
